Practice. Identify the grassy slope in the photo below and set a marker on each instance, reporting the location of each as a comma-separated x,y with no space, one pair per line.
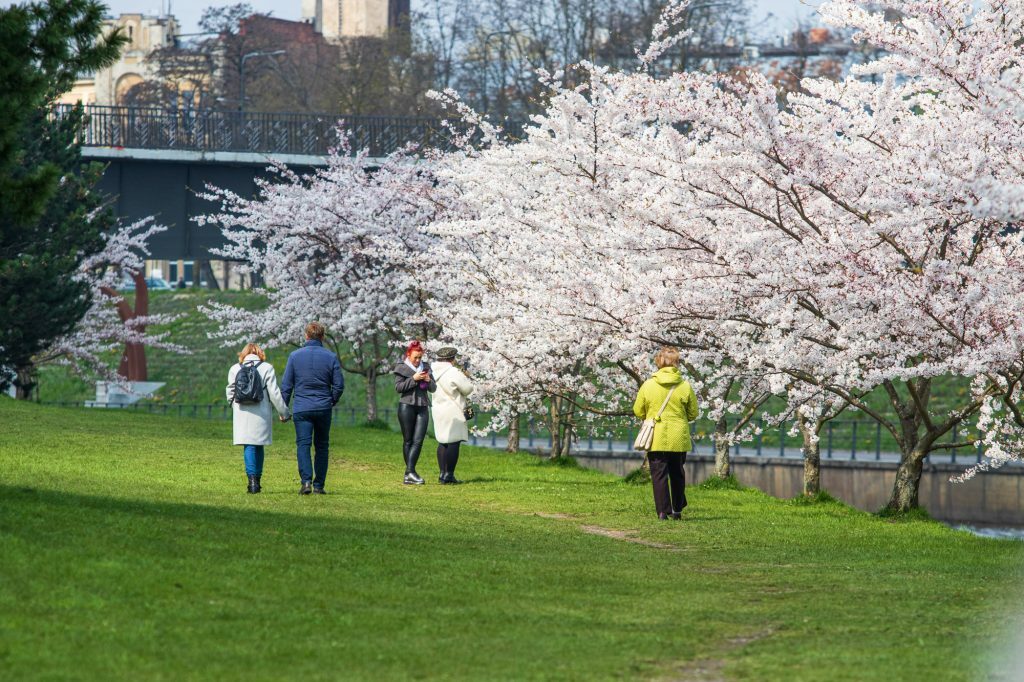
198,378
129,550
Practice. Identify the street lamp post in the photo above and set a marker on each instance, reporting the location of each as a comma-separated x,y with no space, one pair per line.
241,73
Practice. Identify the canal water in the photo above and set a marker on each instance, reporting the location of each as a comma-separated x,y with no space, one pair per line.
998,532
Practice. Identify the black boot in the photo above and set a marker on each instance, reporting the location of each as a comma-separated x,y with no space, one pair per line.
254,485
451,458
407,480
442,470
411,477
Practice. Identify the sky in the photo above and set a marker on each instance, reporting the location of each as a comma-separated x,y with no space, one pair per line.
785,13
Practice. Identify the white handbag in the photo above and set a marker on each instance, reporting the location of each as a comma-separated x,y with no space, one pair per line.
645,439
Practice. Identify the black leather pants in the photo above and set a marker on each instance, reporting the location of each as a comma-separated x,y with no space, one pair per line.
413,419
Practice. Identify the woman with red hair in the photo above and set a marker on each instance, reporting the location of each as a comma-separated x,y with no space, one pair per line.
413,381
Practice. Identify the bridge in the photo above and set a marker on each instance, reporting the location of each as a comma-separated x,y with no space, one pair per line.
158,159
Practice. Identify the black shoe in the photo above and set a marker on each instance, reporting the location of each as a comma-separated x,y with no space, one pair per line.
449,479
318,491
306,488
254,485
412,478
676,516
662,517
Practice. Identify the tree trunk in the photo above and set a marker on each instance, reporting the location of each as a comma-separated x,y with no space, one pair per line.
908,482
24,382
204,271
371,395
513,434
722,463
556,429
566,437
812,456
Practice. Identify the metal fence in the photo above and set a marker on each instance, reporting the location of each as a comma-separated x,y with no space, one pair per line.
840,439
257,132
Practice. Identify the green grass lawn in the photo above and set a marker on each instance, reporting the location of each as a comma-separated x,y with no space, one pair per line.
129,550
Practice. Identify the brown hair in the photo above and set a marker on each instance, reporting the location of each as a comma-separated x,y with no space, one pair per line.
667,356
251,349
315,330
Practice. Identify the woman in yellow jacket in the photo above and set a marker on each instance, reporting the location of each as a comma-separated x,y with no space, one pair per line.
671,430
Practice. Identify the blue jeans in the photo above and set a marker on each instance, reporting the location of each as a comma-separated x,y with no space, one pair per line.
253,455
313,427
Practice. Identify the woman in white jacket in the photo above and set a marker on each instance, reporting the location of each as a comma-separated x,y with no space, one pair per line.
449,412
253,422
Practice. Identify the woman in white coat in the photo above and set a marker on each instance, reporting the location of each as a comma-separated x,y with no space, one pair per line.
253,421
449,412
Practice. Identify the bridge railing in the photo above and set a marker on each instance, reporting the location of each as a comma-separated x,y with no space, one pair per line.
254,132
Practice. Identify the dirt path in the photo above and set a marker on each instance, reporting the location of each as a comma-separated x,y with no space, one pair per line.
624,535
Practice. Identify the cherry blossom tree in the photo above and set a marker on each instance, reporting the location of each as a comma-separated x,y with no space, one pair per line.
103,330
863,243
343,246
858,239
960,68
557,270
862,238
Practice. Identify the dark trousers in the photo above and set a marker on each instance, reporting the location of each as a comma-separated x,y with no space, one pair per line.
313,427
413,420
447,457
668,480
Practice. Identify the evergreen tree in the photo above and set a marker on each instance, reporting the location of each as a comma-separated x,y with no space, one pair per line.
50,217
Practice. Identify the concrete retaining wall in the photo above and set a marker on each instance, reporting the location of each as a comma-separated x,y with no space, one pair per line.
993,497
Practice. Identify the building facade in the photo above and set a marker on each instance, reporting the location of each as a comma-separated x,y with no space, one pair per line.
340,19
335,20
111,86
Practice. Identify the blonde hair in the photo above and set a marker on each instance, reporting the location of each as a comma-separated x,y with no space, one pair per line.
251,349
667,356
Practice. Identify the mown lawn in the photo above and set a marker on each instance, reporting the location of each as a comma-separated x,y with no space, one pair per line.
129,550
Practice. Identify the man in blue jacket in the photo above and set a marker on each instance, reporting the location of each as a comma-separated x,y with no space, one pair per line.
313,376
